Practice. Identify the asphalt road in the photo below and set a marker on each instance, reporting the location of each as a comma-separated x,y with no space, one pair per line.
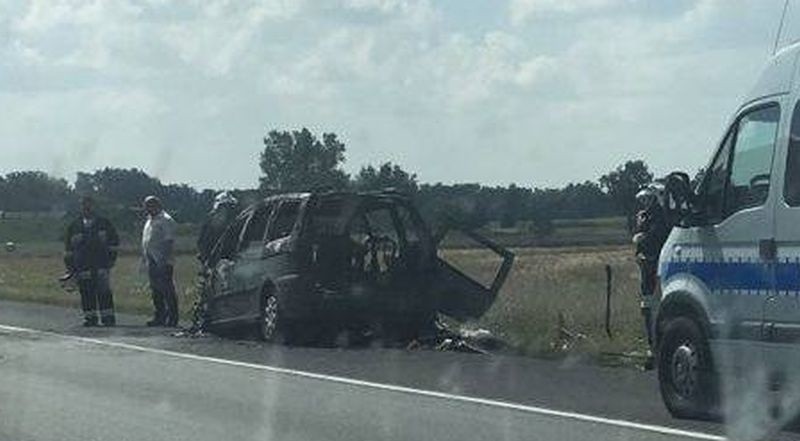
59,381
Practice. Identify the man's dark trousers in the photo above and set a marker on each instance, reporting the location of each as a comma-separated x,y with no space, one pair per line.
165,300
96,296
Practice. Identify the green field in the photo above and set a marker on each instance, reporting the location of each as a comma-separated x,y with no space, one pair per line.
553,301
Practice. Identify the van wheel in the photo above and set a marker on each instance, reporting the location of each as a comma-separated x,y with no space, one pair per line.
270,325
686,374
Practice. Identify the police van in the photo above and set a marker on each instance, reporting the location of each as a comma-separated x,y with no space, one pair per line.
726,321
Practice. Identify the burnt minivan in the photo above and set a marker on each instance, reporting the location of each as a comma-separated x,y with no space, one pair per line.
329,261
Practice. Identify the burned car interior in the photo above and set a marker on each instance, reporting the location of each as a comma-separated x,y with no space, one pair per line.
376,242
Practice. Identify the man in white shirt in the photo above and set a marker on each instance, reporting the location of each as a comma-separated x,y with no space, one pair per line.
158,241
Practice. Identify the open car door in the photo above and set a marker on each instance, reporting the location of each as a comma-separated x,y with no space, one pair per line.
460,296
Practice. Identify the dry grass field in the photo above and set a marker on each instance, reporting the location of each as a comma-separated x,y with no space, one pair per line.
34,278
553,301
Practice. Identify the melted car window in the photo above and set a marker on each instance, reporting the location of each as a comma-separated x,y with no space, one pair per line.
284,220
226,246
256,227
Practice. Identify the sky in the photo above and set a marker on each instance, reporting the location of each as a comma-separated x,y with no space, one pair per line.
535,92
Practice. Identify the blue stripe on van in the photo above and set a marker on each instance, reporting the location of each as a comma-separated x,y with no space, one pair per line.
752,276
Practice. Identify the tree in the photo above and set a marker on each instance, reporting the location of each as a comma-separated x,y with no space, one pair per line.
468,205
118,185
185,203
542,225
4,196
119,192
623,183
298,161
387,175
513,206
34,191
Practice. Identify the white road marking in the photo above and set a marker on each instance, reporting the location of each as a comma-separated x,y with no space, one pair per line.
382,386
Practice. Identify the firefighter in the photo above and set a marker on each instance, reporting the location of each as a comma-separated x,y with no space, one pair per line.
90,252
678,198
158,241
652,229
220,216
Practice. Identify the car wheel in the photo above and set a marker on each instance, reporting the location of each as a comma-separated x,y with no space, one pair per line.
269,321
685,370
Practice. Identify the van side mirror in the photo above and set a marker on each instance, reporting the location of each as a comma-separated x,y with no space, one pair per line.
695,218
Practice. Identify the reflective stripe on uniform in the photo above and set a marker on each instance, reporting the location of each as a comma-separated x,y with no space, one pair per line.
101,274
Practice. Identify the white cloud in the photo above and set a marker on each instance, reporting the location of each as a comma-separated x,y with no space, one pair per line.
473,71
565,97
521,10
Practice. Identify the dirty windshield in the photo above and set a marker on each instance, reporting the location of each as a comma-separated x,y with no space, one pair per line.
399,220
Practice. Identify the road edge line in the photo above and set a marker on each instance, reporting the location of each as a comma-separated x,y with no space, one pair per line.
382,386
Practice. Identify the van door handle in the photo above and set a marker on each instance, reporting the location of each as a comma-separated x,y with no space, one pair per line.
767,249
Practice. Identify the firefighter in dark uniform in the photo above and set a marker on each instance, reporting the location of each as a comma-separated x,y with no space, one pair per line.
221,215
91,250
652,229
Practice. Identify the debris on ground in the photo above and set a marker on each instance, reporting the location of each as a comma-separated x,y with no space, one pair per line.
444,338
189,333
566,339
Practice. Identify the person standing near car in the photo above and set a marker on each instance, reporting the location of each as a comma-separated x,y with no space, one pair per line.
221,215
650,234
158,242
90,252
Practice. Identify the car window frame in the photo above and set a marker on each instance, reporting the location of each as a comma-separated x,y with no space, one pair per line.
702,189
733,131
787,172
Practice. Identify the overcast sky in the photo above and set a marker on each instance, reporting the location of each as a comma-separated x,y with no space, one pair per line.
537,92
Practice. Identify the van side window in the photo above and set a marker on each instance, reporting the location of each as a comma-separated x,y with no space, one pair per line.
284,221
752,159
739,176
791,188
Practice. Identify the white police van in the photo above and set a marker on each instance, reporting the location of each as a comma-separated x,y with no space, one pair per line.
728,319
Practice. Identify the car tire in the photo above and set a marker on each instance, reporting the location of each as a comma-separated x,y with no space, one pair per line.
686,373
270,326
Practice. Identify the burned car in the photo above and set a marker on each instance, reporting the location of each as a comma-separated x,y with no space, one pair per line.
322,263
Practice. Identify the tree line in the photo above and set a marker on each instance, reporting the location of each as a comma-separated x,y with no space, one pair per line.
300,161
